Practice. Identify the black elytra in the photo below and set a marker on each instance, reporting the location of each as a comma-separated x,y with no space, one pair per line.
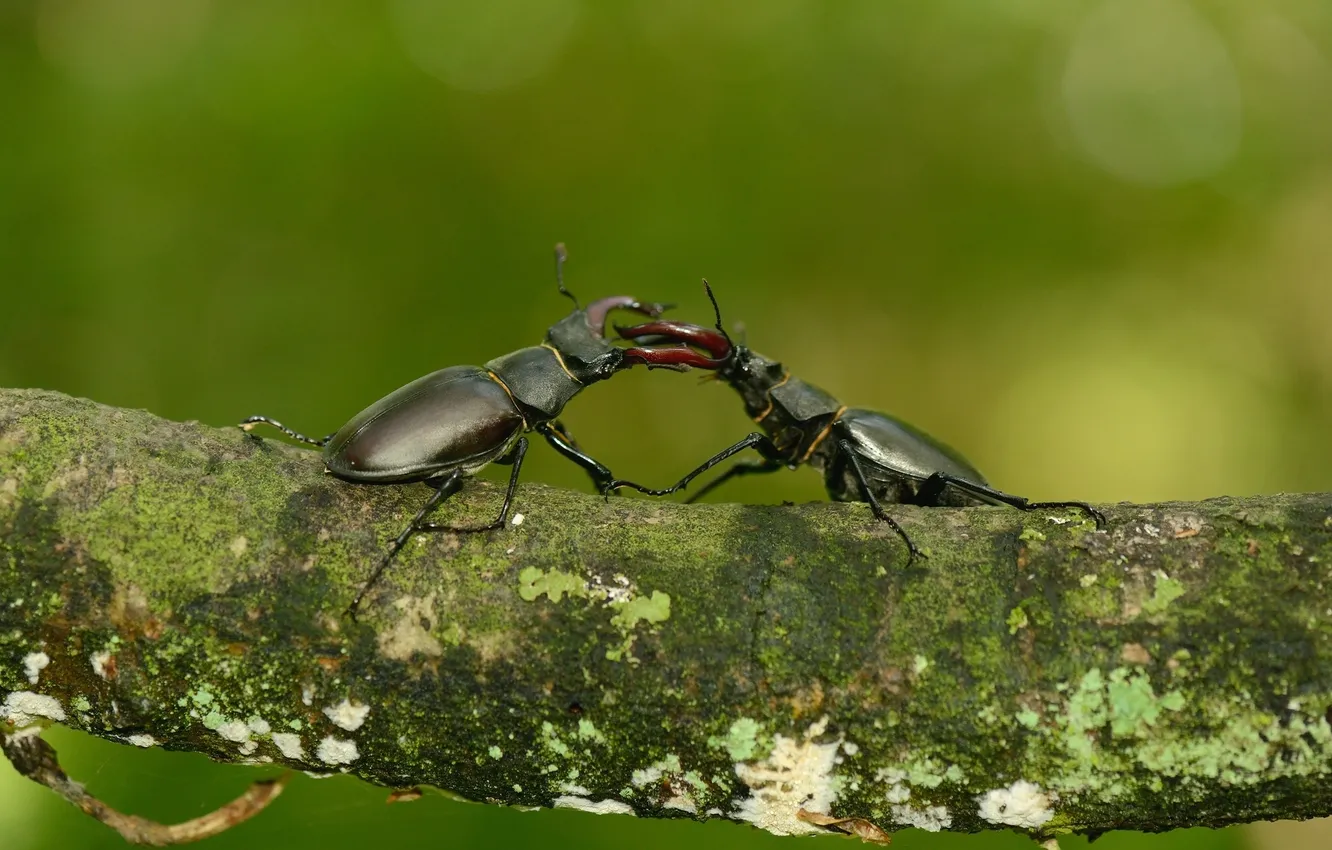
864,455
449,424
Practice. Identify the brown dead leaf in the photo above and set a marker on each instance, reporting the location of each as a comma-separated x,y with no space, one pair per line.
859,827
404,795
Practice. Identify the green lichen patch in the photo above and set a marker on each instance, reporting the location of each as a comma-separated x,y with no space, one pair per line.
628,608
1134,708
588,731
533,583
745,740
1166,590
647,609
1236,743
1017,619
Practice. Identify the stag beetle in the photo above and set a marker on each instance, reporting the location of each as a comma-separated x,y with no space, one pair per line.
865,456
443,427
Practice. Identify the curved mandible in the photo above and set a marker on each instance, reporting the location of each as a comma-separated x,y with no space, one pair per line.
597,311
683,335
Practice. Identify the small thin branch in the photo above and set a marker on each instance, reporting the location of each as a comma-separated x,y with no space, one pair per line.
36,759
173,584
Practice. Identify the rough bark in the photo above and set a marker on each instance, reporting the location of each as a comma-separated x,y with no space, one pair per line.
183,586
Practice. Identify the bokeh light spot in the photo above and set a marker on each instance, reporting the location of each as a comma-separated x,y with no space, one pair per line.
1151,92
20,817
765,23
485,46
118,45
1174,407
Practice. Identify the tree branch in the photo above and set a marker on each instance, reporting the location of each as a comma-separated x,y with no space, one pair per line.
176,585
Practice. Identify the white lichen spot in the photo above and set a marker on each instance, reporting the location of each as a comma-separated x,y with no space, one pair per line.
347,715
33,664
570,788
1022,804
289,745
798,774
142,740
668,777
239,545
517,520
646,776
307,693
411,635
920,664
22,707
895,777
930,818
495,752
622,591
336,751
602,807
683,803
258,725
99,660
1088,579
654,772
234,730
248,748
850,748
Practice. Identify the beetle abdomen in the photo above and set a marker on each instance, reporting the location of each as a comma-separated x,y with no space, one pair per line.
892,444
459,417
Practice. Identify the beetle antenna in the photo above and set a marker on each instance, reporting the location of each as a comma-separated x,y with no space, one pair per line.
716,311
562,255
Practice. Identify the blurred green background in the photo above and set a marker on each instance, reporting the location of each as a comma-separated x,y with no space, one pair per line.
1085,242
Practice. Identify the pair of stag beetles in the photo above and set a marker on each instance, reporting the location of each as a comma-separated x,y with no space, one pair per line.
443,427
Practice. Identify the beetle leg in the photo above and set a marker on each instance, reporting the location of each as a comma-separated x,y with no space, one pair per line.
561,441
738,469
446,487
853,460
930,491
559,428
248,425
758,442
516,458
932,488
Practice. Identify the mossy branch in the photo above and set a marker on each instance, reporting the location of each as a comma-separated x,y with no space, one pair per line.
184,586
